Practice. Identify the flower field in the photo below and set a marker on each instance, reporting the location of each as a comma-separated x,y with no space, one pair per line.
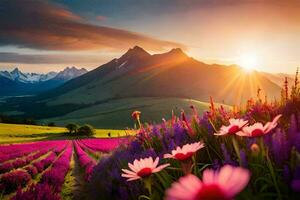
245,153
37,170
249,152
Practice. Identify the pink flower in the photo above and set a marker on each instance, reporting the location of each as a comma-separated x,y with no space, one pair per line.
142,168
221,185
258,129
186,152
235,125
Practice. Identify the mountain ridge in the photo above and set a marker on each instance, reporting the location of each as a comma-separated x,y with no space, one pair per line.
157,75
17,82
154,84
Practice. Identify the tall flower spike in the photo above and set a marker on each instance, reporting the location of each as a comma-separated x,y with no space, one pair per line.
222,185
235,126
142,168
258,129
186,125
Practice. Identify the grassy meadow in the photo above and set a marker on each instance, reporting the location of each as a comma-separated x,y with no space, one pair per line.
15,133
116,113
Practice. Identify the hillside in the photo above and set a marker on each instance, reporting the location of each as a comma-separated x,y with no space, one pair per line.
138,79
116,113
172,74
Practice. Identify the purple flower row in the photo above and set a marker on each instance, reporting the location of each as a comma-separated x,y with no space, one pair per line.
102,145
20,162
9,182
56,174
13,151
84,160
51,182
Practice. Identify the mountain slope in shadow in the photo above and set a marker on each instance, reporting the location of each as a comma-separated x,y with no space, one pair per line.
171,74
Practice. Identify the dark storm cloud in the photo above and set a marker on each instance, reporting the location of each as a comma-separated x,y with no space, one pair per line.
44,25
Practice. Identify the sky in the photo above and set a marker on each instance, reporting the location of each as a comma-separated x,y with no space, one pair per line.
42,36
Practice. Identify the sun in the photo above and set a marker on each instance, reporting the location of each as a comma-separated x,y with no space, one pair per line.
248,61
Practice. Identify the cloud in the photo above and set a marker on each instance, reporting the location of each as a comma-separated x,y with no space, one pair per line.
42,25
101,18
51,58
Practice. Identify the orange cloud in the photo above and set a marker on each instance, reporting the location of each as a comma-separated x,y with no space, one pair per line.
41,25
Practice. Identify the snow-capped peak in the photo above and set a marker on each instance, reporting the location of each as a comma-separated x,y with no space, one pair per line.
70,73
65,75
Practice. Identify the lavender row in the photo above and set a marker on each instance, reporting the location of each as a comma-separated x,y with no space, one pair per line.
13,151
56,174
84,160
10,181
20,162
51,181
102,145
88,150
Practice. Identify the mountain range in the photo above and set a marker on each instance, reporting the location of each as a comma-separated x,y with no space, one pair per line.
16,82
171,74
154,84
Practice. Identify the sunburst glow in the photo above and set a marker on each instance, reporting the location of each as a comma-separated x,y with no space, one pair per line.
248,61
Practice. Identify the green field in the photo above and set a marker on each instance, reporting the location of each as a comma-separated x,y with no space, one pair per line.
14,133
116,113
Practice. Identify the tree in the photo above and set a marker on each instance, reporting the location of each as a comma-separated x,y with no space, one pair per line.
51,124
72,128
87,130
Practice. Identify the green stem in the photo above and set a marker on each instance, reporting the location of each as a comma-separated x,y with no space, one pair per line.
207,150
144,197
187,166
270,166
213,125
265,154
262,146
139,122
236,149
148,185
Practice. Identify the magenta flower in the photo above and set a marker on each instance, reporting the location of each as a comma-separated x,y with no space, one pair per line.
186,152
222,185
258,129
142,168
235,126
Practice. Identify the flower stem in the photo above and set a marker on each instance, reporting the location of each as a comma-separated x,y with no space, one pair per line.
148,185
236,149
139,122
262,146
272,172
270,165
187,166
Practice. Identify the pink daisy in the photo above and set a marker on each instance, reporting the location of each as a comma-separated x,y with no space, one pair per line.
235,125
186,152
258,129
216,185
142,168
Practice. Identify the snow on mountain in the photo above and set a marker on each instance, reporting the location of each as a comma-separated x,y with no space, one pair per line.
70,73
65,75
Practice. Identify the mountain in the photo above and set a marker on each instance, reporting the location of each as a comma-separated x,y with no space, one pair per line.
280,78
17,82
171,74
18,76
154,84
69,73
